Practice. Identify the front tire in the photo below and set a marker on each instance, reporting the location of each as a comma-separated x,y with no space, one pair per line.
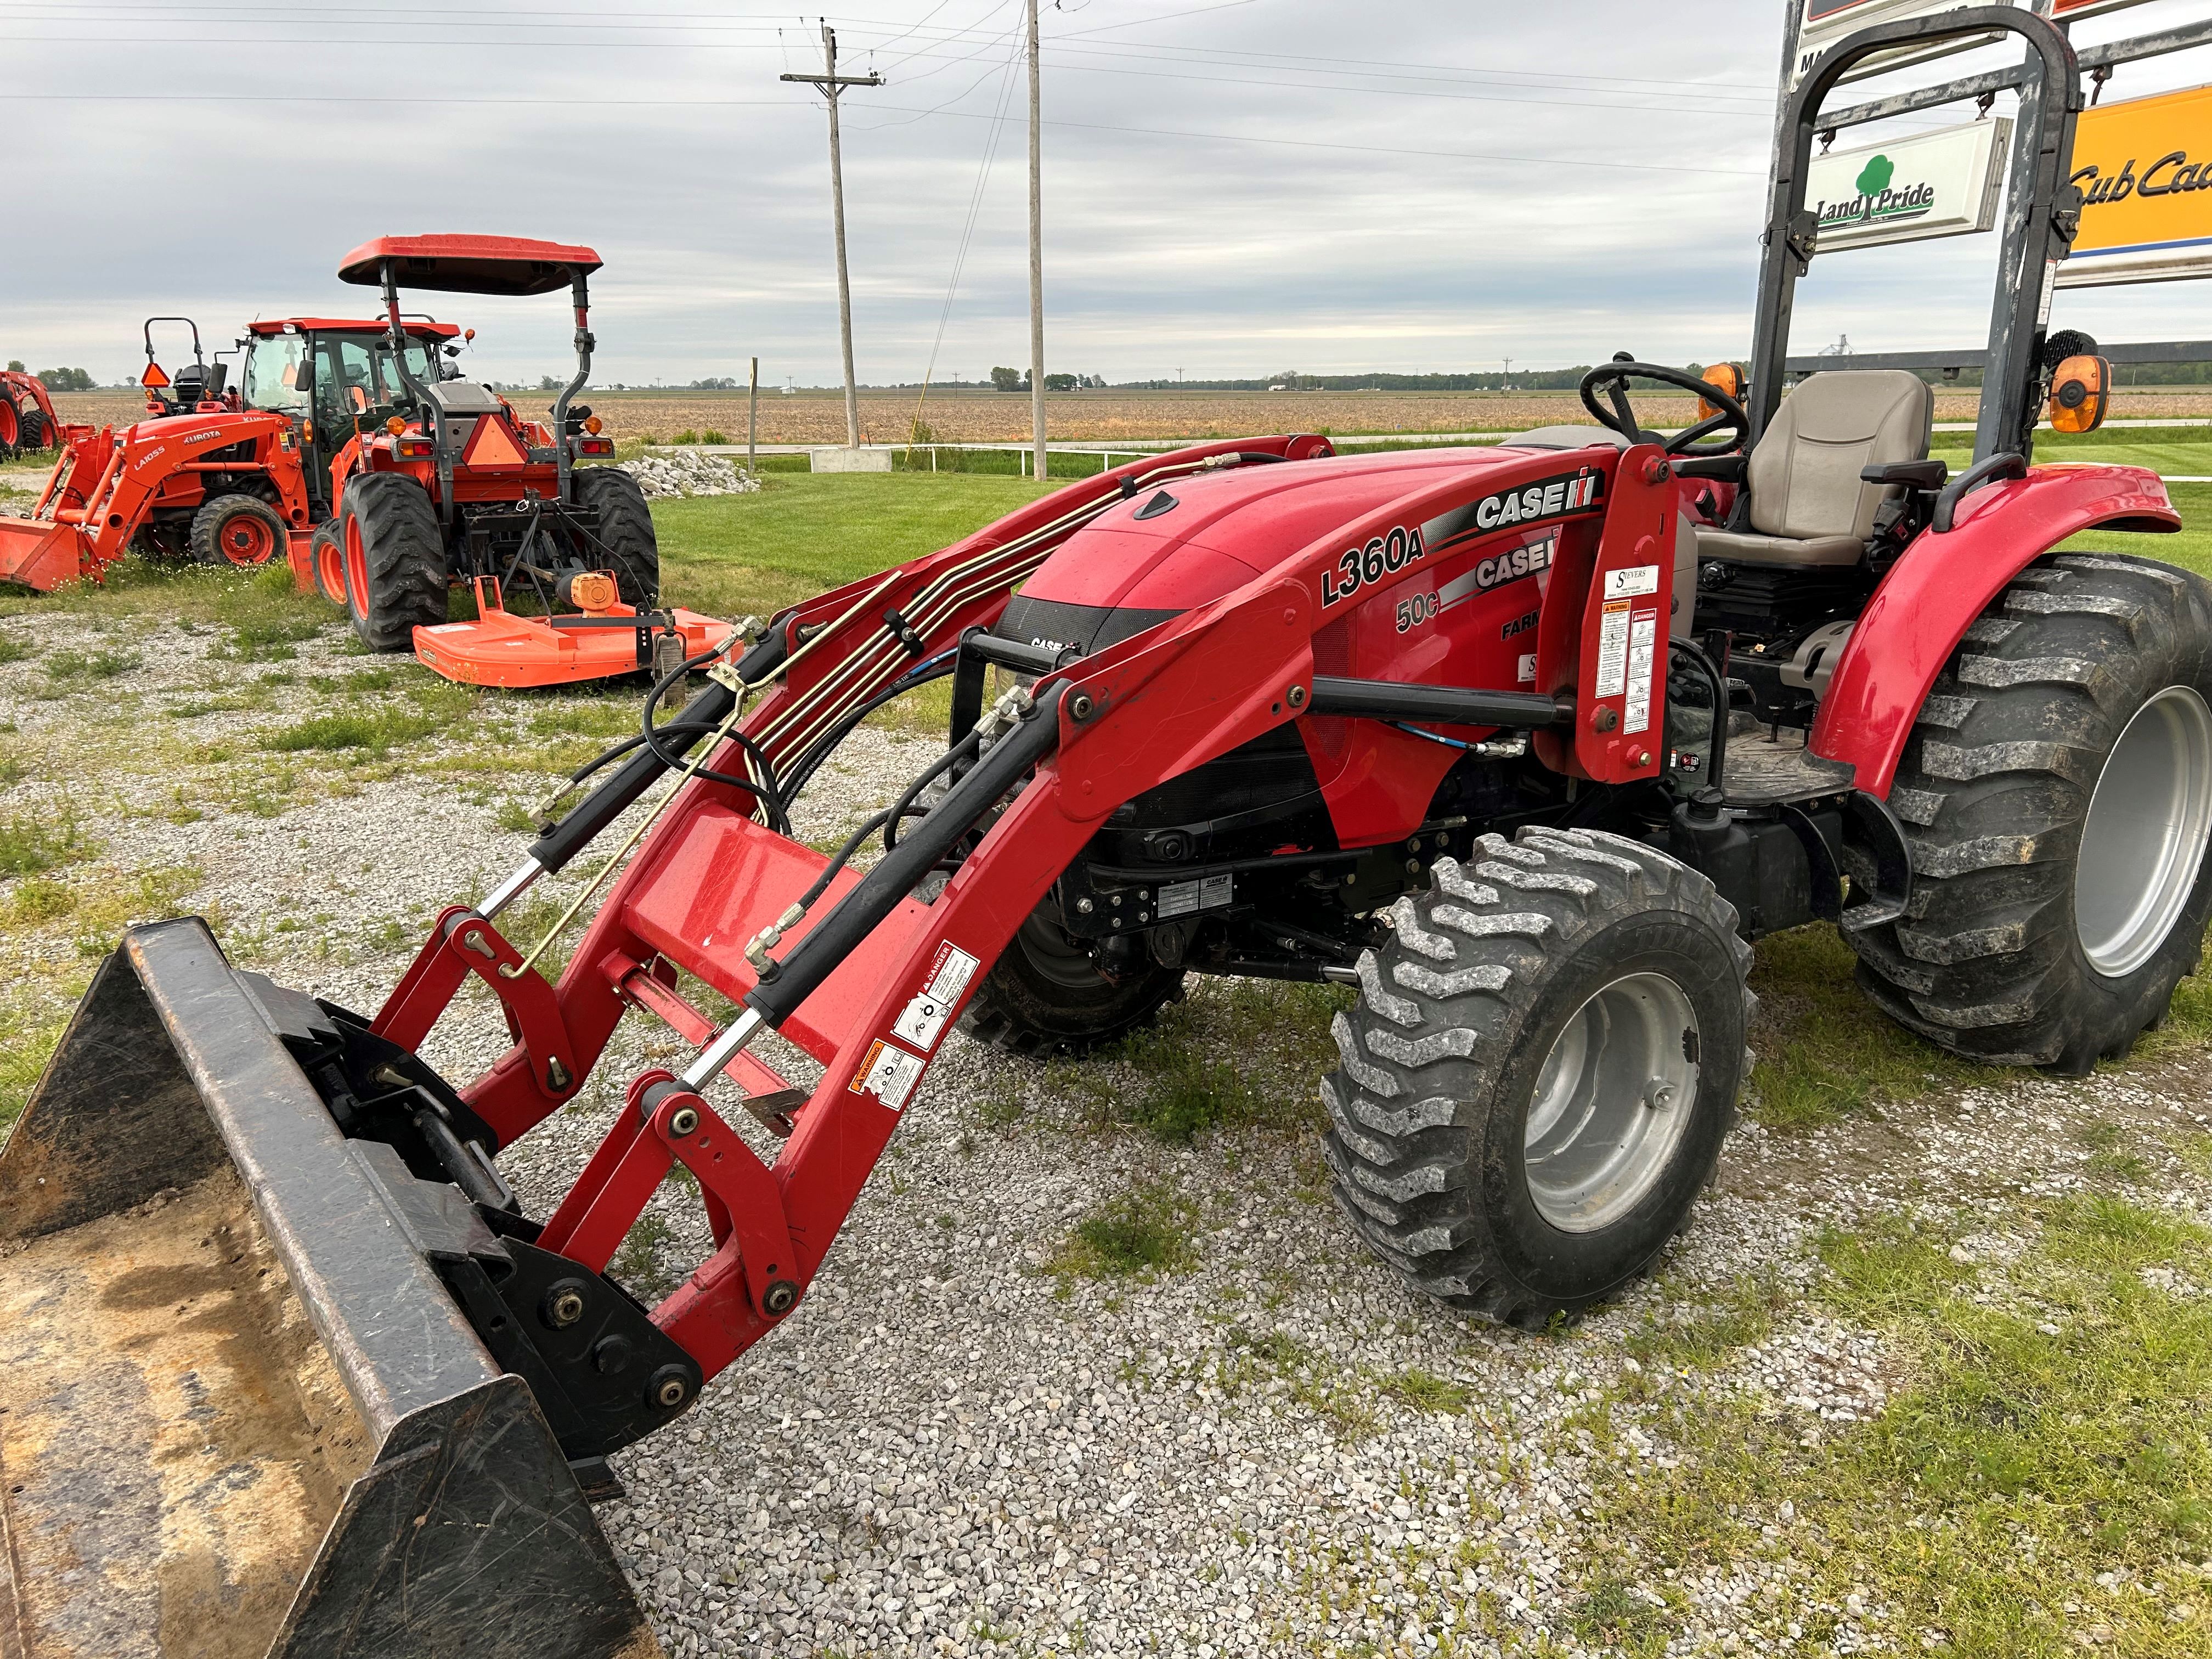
1541,1068
327,558
240,531
2056,793
395,560
31,429
626,542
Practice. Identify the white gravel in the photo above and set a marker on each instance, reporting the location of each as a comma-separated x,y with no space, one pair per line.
952,1449
669,472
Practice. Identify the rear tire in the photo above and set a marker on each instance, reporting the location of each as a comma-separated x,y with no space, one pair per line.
395,560
326,559
11,426
236,530
1542,1066
626,534
2060,888
32,430
1045,996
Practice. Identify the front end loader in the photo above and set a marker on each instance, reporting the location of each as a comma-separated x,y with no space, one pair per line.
1449,728
202,478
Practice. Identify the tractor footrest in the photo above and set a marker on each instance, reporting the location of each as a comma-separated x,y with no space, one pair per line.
1761,771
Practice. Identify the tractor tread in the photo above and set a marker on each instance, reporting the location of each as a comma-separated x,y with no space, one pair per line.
1409,1106
403,556
625,532
1994,790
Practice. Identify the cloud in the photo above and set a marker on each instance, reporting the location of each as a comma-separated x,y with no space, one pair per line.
1238,190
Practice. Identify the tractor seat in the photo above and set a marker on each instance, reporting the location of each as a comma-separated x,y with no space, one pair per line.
1808,504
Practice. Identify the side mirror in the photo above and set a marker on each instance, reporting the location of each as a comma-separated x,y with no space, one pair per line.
2080,393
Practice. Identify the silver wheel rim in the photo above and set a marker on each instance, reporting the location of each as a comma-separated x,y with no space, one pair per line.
2144,839
1611,1102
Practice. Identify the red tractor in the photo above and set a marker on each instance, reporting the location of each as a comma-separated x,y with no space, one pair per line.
1449,727
27,420
225,476
444,483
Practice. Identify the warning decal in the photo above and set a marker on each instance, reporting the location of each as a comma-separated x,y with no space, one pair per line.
1613,649
889,1074
1643,643
923,1022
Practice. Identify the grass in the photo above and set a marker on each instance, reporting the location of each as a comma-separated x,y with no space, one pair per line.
1140,1234
1823,1053
734,554
68,667
31,846
1174,1080
2044,1477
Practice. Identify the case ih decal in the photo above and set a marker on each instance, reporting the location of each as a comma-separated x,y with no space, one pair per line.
1565,496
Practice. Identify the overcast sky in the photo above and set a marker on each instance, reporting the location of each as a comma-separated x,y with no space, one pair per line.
1230,189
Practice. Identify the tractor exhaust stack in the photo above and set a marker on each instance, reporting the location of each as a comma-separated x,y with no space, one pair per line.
241,1413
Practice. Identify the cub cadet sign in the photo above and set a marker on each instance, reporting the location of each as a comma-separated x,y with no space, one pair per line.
1934,184
2145,170
1824,22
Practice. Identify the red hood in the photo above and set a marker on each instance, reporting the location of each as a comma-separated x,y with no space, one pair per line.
1227,527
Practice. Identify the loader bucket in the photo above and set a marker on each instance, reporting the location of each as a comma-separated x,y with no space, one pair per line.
240,1413
38,555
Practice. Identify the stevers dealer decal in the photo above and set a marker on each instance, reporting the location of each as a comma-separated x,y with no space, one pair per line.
1565,495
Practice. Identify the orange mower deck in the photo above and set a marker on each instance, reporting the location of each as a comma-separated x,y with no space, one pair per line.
501,649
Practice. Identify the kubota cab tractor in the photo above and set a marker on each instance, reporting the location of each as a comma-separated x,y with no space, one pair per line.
222,475
446,483
1448,726
27,420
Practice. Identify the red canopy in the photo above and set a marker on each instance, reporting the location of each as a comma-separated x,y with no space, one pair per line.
469,265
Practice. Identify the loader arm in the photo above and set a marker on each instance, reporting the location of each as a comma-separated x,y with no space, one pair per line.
869,981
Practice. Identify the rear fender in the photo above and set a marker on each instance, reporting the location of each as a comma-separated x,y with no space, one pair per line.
1932,595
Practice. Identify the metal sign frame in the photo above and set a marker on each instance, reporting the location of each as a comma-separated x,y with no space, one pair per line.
2024,289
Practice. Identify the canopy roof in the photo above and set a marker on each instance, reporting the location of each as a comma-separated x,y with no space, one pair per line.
469,265
417,325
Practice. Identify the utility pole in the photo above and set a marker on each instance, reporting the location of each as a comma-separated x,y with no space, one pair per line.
1037,251
752,425
831,83
1508,374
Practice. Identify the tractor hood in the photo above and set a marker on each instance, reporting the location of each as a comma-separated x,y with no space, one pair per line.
1170,548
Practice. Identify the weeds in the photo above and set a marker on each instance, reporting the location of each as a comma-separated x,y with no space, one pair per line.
637,1265
13,650
375,733
1141,1234
67,667
266,639
30,846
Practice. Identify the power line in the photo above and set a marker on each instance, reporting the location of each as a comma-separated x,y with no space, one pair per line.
570,105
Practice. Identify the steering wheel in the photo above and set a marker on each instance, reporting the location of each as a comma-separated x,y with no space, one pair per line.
1613,377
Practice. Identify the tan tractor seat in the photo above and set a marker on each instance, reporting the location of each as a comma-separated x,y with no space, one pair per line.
1808,504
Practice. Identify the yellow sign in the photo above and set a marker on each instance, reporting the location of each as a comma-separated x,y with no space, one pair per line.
2145,170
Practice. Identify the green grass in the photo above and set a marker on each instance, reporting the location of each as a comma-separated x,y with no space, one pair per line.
1139,1235
737,555
1822,1052
376,732
2044,1474
1193,1070
31,846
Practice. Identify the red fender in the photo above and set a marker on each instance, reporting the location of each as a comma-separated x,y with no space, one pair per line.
1933,594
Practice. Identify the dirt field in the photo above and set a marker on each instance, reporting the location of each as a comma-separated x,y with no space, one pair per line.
995,417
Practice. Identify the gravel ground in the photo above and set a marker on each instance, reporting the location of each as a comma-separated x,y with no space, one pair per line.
957,1446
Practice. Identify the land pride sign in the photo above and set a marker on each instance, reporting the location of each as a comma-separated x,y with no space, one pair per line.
2145,170
1932,184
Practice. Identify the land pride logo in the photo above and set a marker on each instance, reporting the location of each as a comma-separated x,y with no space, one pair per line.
1880,200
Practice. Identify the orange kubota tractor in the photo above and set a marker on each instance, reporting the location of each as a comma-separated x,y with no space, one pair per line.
27,420
446,483
1449,727
223,475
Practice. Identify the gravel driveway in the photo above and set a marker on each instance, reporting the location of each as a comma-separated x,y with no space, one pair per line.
967,1441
